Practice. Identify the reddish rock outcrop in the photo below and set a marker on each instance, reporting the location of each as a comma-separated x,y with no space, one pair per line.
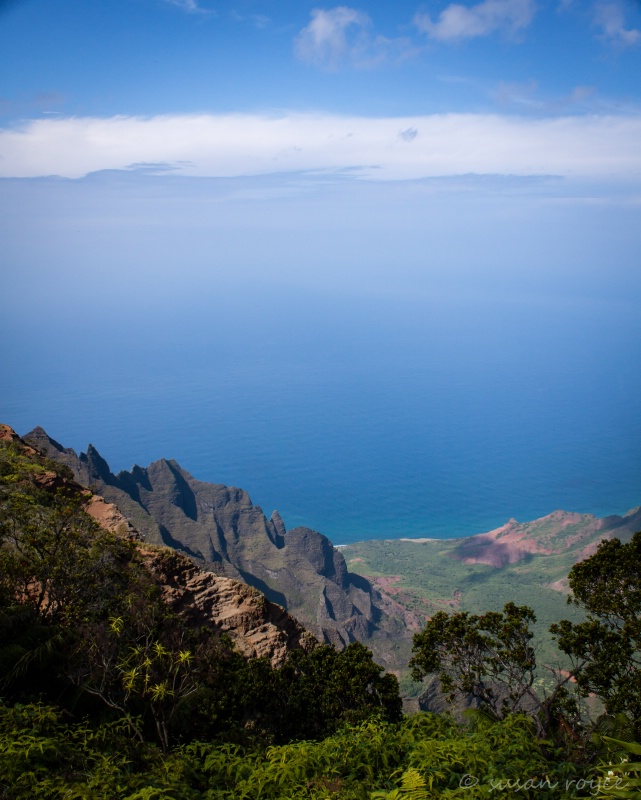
558,532
108,516
259,628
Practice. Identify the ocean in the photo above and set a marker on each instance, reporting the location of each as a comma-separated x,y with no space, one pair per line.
430,413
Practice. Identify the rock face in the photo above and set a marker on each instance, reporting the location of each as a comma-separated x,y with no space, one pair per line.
8,434
558,532
435,700
227,535
108,516
258,628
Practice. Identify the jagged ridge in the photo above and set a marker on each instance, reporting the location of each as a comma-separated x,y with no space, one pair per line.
258,627
220,527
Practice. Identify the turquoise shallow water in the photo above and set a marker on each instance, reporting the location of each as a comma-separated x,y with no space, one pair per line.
370,419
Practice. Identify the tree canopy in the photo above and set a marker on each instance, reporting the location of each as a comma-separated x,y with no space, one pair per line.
605,649
84,624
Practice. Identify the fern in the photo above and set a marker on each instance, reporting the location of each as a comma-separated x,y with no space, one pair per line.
413,787
622,780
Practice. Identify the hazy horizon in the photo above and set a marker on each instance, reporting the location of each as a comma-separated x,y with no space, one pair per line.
377,265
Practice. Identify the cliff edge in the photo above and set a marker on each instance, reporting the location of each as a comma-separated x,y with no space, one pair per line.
221,530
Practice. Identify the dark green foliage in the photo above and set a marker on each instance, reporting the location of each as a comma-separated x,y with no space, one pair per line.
31,652
43,756
490,658
313,694
54,558
606,648
84,625
145,664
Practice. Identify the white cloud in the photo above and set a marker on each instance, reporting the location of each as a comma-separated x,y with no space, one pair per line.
343,34
331,35
610,18
371,148
191,6
458,22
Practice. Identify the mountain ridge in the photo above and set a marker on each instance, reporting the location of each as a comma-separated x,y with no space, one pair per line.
379,592
225,533
514,541
257,627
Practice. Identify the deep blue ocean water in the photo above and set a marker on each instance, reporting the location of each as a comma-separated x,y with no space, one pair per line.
432,415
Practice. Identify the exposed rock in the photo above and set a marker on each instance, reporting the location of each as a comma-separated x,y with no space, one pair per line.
558,532
226,534
108,516
7,434
259,629
435,700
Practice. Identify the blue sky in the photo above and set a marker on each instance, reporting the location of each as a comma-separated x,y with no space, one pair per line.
189,172
223,72
502,132
163,57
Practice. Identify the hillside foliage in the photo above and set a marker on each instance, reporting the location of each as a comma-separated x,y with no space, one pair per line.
424,756
107,693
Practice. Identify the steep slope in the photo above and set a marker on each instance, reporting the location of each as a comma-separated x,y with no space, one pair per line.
258,627
220,527
554,534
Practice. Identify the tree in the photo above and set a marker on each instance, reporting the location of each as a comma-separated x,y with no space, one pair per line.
53,556
605,649
491,659
83,622
314,694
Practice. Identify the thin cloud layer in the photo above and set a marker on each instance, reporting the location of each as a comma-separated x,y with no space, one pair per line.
611,19
395,148
457,22
331,35
191,6
342,34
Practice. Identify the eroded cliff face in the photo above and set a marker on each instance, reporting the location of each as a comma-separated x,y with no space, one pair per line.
258,628
556,533
227,535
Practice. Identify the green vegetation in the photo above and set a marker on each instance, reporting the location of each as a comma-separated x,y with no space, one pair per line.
42,756
606,648
106,693
508,661
622,778
491,659
425,578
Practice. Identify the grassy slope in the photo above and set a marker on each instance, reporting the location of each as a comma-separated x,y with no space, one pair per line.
425,578
427,575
